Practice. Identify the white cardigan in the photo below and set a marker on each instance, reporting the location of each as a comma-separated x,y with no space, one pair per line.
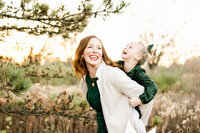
115,88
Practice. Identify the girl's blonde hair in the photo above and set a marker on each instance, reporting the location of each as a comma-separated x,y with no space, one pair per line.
144,54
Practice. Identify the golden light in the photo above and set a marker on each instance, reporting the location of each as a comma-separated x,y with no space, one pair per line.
156,16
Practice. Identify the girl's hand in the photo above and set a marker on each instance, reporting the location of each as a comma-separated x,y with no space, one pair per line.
135,101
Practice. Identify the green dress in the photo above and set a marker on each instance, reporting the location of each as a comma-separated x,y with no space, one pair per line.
139,75
93,97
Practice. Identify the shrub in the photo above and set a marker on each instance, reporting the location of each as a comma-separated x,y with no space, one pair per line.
165,78
13,78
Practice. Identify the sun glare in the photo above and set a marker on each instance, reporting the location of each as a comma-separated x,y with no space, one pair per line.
178,19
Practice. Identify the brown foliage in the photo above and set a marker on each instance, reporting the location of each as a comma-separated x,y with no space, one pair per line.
44,124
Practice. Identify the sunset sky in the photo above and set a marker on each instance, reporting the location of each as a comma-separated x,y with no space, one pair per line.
156,16
166,16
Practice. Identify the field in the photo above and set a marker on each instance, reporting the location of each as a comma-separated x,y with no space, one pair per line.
176,106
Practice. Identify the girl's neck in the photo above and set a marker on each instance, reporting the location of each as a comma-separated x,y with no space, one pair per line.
129,65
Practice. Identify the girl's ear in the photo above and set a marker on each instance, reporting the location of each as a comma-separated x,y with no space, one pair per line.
138,58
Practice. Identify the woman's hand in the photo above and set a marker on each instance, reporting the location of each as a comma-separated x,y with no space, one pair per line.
135,101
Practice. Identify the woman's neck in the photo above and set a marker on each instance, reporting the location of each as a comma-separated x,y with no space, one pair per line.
129,65
92,71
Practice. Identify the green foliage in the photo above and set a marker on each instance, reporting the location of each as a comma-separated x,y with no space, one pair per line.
19,103
78,101
40,9
20,77
1,4
89,7
54,13
189,81
22,85
53,97
12,78
13,75
157,120
165,77
63,104
59,21
3,131
57,73
27,1
8,118
178,77
121,6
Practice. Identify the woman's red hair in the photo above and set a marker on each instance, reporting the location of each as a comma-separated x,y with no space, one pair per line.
79,64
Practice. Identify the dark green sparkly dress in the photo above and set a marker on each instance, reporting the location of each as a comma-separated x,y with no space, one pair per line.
139,75
93,97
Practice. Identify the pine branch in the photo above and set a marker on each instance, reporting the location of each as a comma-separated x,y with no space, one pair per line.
58,21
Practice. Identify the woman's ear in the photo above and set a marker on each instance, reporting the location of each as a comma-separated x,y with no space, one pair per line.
82,58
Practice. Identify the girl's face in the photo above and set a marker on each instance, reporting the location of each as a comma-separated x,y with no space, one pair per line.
93,53
131,52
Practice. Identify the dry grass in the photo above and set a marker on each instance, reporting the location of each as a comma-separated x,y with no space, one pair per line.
180,112
179,107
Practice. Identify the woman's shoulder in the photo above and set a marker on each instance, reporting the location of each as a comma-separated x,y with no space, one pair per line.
108,70
111,69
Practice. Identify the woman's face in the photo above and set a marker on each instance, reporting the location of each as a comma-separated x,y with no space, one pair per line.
93,53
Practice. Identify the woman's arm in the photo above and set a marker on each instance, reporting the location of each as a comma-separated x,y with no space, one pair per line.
126,85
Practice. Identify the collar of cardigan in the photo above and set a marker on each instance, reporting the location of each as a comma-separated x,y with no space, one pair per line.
99,69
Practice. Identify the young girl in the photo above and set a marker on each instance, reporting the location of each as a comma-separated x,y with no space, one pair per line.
135,55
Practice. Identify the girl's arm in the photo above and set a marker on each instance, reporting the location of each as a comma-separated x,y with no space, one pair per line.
149,86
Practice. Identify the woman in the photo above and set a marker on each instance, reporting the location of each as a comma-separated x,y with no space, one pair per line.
106,87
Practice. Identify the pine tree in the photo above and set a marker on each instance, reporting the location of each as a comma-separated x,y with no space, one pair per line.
39,19
13,79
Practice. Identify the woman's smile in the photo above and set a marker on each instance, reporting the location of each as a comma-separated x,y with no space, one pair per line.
94,57
93,53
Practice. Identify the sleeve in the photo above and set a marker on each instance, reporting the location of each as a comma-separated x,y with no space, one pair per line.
126,85
149,86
